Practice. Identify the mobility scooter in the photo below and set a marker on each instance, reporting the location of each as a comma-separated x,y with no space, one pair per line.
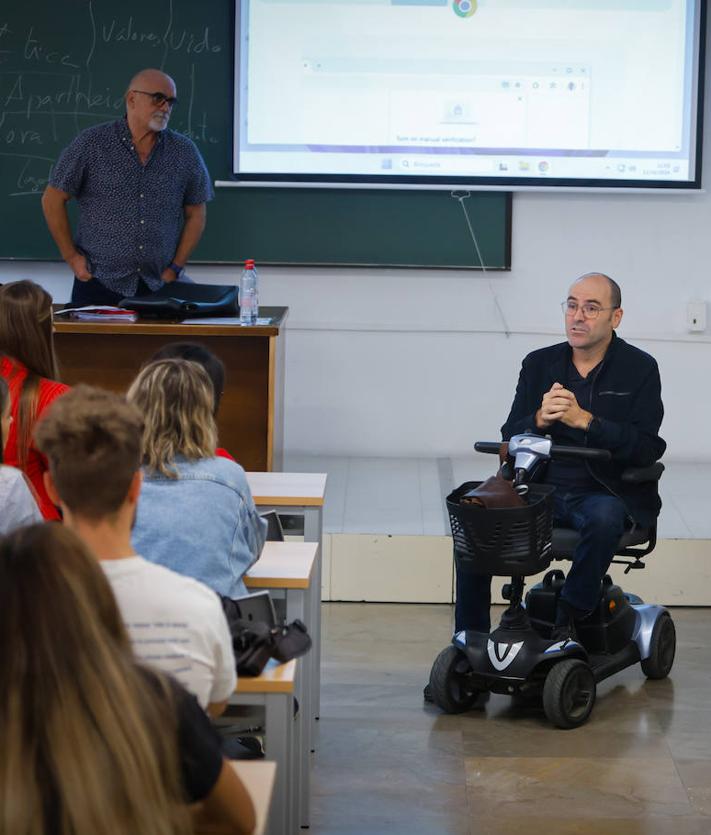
520,657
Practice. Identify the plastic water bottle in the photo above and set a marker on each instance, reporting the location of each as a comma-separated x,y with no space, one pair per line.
249,294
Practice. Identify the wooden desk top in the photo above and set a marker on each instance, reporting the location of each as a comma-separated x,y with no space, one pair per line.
152,327
275,678
283,565
258,777
295,489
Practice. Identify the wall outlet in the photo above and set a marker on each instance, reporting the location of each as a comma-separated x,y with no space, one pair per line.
696,316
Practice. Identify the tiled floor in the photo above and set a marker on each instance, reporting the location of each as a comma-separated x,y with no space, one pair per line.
387,764
403,496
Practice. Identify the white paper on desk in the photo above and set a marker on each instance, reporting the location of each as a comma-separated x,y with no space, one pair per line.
223,320
92,308
103,317
98,313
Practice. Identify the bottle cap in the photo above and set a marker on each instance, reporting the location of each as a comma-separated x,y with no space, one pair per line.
249,264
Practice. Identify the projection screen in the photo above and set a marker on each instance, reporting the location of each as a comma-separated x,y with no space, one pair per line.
460,93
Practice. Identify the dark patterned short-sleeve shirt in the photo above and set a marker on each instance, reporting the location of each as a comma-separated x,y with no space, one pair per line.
130,214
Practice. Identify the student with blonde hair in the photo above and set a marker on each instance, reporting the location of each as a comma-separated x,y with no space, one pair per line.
93,743
196,514
29,365
196,352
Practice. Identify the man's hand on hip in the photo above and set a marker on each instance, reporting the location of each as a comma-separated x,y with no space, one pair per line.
168,276
78,264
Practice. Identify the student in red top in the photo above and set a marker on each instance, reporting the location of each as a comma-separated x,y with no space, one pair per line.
195,352
29,365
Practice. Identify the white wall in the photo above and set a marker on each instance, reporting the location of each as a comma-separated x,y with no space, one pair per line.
416,362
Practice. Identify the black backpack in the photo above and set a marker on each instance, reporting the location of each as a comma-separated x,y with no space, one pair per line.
255,641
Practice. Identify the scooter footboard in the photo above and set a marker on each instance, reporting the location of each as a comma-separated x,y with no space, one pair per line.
504,660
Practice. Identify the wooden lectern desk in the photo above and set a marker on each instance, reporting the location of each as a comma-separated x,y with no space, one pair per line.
251,416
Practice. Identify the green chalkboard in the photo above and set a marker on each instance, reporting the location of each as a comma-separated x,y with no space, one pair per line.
64,65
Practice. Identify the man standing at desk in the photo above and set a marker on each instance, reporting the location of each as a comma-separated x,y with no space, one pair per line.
141,190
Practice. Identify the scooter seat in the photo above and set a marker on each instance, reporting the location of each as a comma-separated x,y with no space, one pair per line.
565,541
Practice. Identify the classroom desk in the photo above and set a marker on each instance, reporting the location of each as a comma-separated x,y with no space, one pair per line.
251,417
274,691
290,566
258,778
300,494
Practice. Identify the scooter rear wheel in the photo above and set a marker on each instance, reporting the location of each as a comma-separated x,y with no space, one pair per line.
569,693
451,689
662,649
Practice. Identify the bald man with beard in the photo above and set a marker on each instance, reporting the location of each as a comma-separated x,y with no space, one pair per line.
141,189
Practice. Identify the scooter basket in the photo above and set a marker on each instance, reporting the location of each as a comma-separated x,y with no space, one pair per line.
503,541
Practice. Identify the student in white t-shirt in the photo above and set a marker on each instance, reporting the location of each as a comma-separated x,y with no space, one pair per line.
17,504
92,439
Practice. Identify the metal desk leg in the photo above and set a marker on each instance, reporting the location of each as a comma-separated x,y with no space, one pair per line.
279,746
298,605
313,532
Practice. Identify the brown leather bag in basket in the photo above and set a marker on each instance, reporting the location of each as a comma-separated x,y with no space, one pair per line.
496,491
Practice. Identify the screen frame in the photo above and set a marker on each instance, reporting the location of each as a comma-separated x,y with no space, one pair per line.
484,183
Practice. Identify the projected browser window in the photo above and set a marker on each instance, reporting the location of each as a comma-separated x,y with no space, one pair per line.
462,90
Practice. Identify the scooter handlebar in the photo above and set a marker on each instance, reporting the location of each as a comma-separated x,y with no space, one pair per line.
491,447
557,451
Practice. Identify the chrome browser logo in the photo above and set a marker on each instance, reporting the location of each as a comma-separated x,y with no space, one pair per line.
464,8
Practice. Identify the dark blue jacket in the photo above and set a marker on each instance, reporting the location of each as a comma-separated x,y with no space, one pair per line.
625,399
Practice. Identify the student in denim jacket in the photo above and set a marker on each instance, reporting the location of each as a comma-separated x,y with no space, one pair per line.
196,514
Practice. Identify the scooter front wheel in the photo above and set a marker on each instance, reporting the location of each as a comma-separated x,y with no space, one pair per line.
569,693
449,680
662,649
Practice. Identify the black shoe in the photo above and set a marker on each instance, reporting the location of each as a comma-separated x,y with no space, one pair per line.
564,632
242,748
427,694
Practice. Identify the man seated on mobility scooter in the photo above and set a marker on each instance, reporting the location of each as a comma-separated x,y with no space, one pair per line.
596,391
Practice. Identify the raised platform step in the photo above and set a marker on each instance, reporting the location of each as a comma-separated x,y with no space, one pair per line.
405,496
387,533
419,569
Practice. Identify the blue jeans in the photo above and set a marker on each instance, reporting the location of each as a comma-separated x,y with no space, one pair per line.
600,518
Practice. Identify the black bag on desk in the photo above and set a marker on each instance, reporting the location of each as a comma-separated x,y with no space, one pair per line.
252,645
256,637
182,299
